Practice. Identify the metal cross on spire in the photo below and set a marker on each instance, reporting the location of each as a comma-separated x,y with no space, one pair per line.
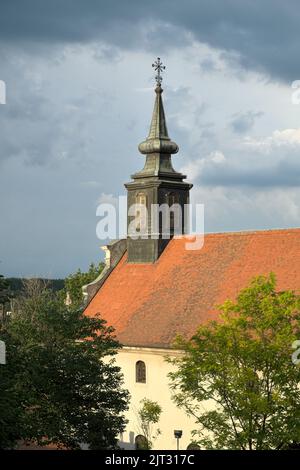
159,68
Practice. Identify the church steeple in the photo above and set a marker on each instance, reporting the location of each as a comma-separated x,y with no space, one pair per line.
156,184
158,139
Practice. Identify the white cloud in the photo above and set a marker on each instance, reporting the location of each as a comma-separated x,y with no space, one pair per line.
193,169
216,157
108,199
279,138
234,209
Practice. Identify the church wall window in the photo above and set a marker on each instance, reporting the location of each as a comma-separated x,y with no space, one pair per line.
140,372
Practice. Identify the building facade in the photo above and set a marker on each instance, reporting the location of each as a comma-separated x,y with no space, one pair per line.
153,287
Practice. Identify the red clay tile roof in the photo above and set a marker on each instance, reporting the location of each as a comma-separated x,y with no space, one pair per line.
148,304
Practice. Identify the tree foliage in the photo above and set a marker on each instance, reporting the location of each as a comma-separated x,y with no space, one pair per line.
237,377
75,282
5,294
148,415
4,289
60,384
17,284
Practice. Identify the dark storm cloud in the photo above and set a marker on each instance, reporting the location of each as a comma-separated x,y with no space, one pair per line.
244,122
65,107
283,173
265,35
208,65
280,177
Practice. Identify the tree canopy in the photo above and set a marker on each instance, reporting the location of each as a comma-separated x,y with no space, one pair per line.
75,282
148,415
60,383
236,376
5,292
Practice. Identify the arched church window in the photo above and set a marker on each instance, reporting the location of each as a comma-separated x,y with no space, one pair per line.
141,215
140,372
141,443
141,198
172,198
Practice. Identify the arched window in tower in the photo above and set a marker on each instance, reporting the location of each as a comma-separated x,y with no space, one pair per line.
140,372
141,212
172,198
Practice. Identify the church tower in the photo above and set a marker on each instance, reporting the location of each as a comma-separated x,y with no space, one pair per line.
154,189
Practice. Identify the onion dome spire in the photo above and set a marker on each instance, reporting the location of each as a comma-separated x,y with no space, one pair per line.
158,140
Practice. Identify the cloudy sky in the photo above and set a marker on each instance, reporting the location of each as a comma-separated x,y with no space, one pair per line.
79,99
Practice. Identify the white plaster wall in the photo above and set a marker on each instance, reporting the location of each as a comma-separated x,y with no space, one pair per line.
157,389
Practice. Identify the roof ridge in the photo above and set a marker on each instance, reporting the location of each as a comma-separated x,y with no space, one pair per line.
248,232
257,231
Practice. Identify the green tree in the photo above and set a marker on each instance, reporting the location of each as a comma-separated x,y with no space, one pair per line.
67,385
237,378
75,282
10,397
4,289
148,415
5,295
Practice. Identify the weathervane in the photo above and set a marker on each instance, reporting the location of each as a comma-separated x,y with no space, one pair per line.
159,68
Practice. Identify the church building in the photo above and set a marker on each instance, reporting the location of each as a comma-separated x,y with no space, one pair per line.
153,288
